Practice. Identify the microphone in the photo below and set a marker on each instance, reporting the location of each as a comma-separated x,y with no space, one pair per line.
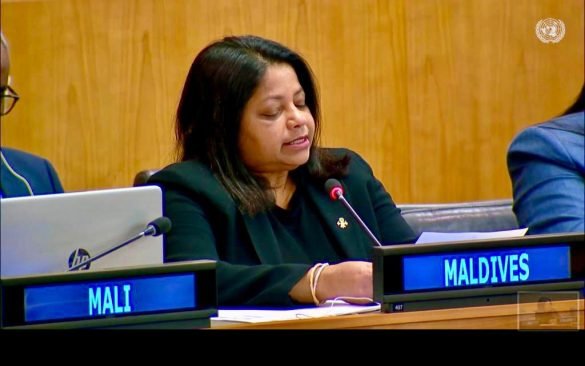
335,191
156,227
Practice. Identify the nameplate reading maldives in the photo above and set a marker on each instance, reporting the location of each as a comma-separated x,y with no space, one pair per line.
106,298
486,268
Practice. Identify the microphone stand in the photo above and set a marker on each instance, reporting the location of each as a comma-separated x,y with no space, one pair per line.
358,218
89,260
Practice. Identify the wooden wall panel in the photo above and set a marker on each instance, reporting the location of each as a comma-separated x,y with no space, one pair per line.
478,74
430,92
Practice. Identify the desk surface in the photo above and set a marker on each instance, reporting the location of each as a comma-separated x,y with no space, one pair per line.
564,315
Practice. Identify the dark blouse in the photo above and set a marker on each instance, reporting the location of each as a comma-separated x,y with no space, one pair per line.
296,244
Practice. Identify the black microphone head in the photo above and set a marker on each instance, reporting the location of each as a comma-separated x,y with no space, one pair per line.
333,188
160,225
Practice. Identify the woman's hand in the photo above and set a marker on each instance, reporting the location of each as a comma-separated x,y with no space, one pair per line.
351,281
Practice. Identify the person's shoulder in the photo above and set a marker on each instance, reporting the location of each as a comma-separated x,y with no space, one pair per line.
184,170
573,123
191,176
195,178
553,131
37,170
555,139
16,155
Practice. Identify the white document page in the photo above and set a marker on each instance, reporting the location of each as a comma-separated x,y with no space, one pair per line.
435,237
329,308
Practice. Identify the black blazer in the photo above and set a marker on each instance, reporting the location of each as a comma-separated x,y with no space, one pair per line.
250,271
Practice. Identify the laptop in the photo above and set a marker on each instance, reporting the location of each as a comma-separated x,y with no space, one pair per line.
51,233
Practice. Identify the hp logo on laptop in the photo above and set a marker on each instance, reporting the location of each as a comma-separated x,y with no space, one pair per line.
79,255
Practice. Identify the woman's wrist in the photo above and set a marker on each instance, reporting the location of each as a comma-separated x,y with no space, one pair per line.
314,276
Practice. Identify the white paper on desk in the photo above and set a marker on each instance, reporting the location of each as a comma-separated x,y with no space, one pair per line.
434,237
259,316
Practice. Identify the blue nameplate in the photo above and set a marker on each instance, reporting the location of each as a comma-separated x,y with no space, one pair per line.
112,297
481,268
119,297
476,272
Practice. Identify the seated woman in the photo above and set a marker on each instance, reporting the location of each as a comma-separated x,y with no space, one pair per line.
546,163
249,189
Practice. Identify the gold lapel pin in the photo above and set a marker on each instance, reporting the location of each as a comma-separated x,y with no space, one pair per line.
342,223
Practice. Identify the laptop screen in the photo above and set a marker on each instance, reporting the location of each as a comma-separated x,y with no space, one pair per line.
51,233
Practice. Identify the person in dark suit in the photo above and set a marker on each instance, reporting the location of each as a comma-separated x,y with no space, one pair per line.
249,188
21,173
546,163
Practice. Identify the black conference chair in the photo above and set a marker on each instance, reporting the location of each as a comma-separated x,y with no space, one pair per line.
142,177
477,216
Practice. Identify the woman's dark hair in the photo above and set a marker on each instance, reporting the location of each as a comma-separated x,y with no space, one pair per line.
579,104
222,79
